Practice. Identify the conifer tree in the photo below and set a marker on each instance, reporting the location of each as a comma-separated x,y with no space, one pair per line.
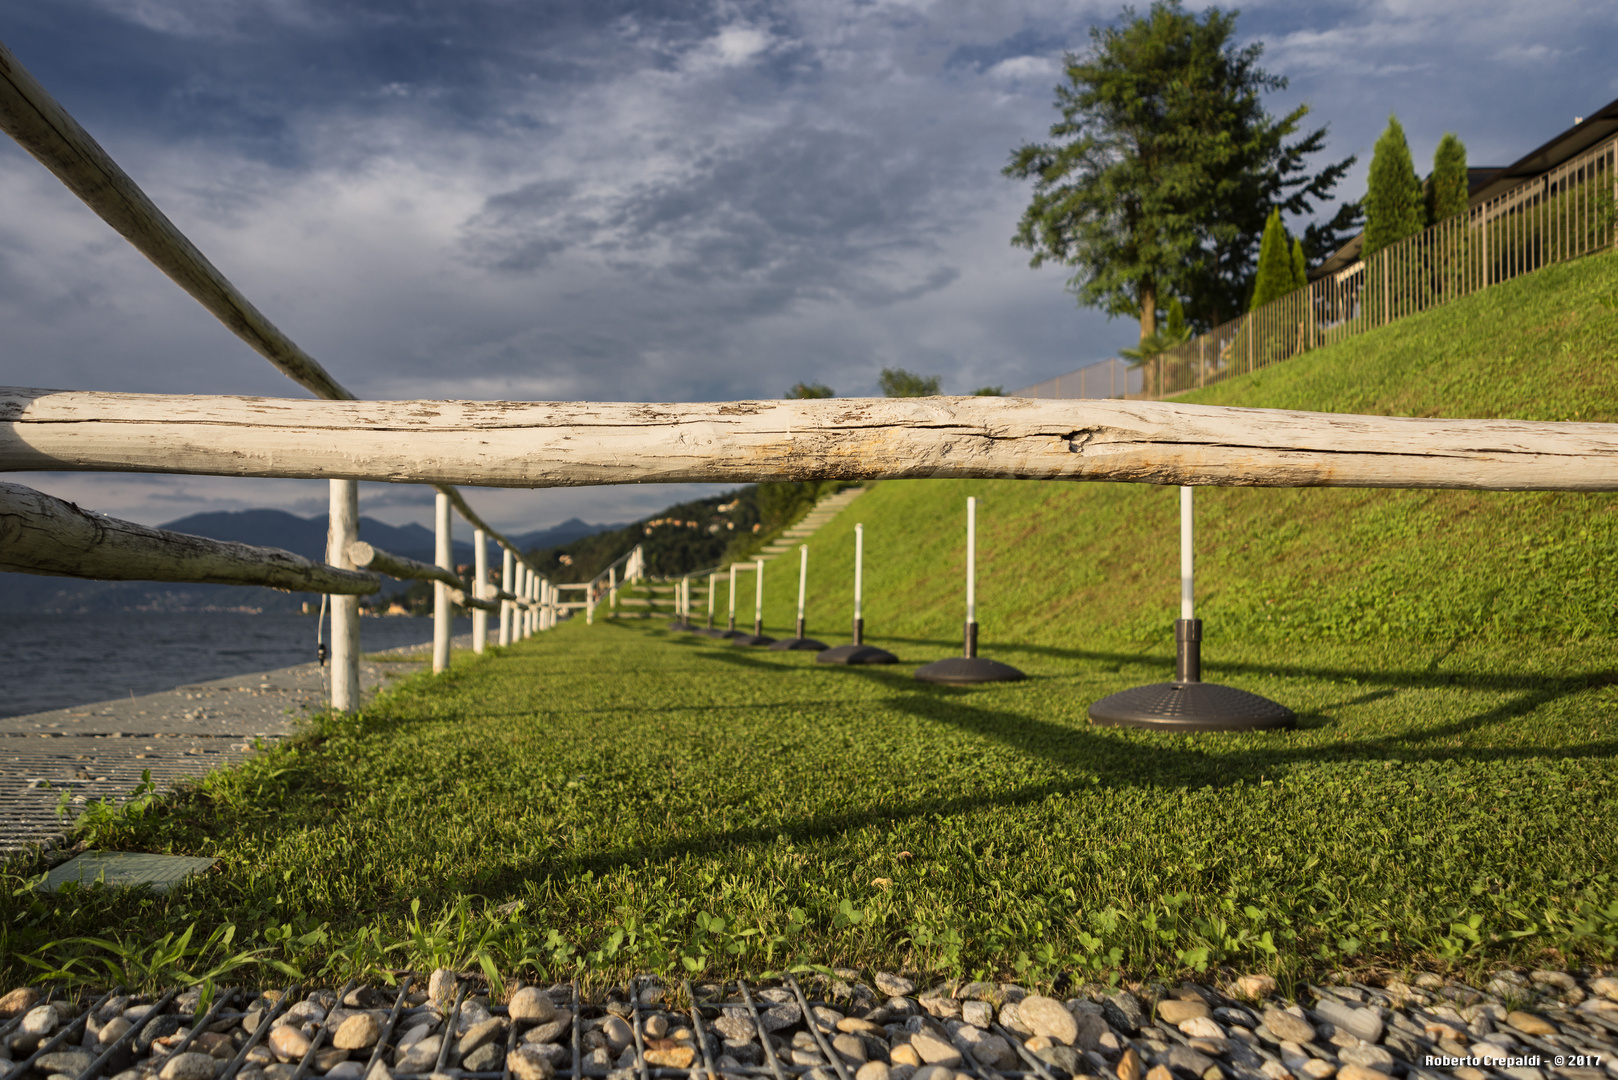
1393,200
1447,187
1300,265
1274,277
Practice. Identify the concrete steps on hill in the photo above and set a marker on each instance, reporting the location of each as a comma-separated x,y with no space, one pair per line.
824,511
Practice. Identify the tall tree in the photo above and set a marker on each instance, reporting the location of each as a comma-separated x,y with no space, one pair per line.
897,382
1447,187
809,390
1393,201
1160,173
1274,278
1300,265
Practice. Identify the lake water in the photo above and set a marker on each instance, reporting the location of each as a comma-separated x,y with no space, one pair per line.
57,661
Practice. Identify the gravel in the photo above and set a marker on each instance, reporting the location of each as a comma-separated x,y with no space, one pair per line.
1521,1025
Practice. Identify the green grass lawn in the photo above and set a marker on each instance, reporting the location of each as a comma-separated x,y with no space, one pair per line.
658,801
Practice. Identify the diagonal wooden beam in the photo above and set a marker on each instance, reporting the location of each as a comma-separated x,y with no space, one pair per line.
41,534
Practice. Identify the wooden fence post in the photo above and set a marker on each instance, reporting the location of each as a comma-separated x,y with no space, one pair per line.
445,560
342,530
507,573
480,573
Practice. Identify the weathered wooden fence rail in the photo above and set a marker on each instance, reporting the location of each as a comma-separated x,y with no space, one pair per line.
526,444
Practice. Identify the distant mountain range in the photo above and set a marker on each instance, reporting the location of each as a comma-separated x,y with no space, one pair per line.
265,528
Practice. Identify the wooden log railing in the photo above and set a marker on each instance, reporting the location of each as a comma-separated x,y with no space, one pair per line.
369,557
525,444
41,534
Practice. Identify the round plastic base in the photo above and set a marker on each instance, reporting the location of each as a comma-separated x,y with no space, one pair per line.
962,670
798,644
1198,706
752,639
856,654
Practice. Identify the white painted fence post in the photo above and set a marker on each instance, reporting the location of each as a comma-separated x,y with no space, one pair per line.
803,582
444,557
480,574
758,599
507,573
732,627
612,591
343,530
713,587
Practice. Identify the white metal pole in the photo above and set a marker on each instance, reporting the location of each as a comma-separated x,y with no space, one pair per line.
480,572
1187,556
343,530
758,599
444,559
859,569
803,582
612,589
971,559
713,581
519,616
507,573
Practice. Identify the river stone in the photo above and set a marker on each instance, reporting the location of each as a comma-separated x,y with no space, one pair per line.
733,1025
1176,1012
995,1052
934,1050
1011,1017
18,1001
487,1058
1048,1017
287,1043
675,1056
73,1062
1201,1027
113,1030
872,1070
779,1016
40,1020
347,1070
557,1054
552,1030
1129,1065
904,1054
851,1048
1183,1057
278,1071
531,1005
187,1066
893,986
935,1072
441,985
414,1036
1255,987
1123,1012
420,1056
619,1034
482,1034
1088,1030
1350,1071
527,1065
357,1032
1529,1024
1288,1028
977,1013
1367,1056
1364,1023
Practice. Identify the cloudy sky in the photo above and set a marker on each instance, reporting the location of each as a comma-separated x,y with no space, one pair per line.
634,199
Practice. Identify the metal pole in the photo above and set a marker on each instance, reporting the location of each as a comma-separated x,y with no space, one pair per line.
803,583
343,530
732,626
971,649
713,586
612,590
859,583
444,559
480,572
1188,628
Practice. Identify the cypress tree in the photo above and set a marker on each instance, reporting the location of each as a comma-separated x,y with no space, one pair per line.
1274,277
1300,265
1446,188
1393,201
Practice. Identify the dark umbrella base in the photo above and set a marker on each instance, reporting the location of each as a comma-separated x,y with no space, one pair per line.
856,654
1197,706
682,626
798,644
752,639
961,670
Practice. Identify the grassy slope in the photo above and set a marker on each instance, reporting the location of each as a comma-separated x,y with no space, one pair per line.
1447,798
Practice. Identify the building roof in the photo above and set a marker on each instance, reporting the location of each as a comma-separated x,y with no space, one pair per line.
1487,182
